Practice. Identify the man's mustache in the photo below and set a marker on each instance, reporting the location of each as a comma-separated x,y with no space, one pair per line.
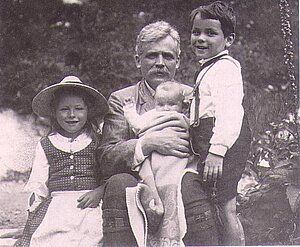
160,71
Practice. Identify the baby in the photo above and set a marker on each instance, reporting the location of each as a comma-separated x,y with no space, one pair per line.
158,192
169,96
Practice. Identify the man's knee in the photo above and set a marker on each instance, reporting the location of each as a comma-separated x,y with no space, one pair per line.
115,191
192,189
121,182
228,208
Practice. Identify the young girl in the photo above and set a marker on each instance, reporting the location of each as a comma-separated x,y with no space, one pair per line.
219,130
64,207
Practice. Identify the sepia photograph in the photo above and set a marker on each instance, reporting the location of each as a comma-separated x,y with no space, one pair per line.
149,123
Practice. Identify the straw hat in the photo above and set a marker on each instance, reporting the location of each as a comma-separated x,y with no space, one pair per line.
41,103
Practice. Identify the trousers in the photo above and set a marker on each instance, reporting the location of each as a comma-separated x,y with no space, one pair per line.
199,213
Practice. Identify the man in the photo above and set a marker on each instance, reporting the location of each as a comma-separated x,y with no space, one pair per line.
157,57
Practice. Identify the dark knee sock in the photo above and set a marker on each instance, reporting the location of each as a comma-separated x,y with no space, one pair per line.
199,213
116,229
201,225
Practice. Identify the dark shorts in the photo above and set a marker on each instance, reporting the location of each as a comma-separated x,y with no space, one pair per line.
234,161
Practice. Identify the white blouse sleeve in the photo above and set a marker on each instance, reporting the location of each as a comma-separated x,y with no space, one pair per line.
227,95
37,183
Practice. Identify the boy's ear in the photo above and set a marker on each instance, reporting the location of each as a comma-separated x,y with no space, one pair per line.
137,61
229,40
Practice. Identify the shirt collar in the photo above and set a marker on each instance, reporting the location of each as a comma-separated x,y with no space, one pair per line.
81,137
203,61
151,90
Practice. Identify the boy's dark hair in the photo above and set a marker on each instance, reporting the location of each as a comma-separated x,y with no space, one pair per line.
219,11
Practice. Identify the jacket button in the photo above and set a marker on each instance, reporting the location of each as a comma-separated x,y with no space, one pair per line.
71,167
71,156
72,177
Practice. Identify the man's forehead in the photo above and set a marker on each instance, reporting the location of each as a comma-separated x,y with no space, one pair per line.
163,45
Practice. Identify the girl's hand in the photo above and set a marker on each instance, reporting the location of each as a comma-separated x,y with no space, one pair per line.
91,199
213,167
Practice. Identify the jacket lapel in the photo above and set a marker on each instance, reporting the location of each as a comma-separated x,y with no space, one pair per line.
144,98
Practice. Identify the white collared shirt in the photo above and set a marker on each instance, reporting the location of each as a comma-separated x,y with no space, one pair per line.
221,95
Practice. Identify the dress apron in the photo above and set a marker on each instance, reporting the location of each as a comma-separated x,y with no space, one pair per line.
72,227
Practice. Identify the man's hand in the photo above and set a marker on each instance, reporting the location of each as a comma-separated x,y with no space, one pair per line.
213,168
91,199
172,141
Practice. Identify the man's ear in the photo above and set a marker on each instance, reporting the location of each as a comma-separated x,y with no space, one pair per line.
178,62
137,61
229,40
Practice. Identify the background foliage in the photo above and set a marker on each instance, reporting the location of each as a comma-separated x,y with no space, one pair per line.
43,40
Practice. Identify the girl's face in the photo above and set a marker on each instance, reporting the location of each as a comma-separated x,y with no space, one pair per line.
71,114
207,38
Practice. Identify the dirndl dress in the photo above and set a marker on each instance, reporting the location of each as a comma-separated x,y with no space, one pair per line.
57,221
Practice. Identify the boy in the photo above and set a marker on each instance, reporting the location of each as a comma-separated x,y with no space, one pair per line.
219,132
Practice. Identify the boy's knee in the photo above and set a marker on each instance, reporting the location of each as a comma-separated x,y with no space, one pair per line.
229,207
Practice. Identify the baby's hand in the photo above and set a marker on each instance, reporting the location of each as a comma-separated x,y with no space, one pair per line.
91,199
213,168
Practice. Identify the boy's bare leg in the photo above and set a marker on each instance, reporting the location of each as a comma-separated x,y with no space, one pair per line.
233,229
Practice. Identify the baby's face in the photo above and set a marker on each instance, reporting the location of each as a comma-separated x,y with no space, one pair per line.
166,101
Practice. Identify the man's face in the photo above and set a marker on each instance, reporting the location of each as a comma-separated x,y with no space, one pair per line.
159,61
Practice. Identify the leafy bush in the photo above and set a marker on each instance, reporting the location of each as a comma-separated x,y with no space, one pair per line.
274,203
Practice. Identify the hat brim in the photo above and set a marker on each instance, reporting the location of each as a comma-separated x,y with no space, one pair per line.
41,103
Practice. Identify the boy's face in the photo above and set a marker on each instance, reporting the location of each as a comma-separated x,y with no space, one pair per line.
167,101
207,38
71,114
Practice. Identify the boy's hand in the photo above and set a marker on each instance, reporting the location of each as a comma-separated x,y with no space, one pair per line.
91,199
213,168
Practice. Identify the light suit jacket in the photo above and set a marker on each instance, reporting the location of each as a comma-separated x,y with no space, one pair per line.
116,151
